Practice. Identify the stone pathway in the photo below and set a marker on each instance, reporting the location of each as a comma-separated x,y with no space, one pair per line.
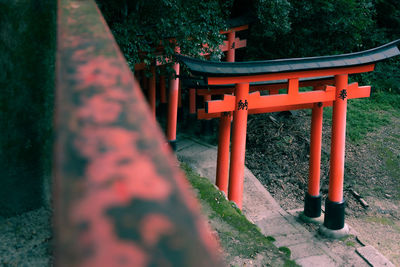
308,248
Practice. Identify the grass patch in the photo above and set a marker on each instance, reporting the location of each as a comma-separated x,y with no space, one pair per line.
286,250
241,237
344,238
348,240
367,114
384,221
380,220
391,163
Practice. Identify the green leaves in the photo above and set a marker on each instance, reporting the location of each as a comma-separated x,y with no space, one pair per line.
296,28
152,23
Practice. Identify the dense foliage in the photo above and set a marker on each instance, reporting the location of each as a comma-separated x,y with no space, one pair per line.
142,26
320,27
387,75
326,27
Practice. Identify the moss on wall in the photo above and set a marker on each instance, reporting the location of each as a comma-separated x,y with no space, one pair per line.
27,45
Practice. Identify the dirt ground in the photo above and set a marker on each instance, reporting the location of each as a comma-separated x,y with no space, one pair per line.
277,152
25,240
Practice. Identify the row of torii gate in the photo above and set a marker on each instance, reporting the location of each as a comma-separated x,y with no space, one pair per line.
240,83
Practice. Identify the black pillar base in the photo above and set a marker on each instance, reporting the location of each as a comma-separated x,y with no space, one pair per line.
312,206
172,143
334,214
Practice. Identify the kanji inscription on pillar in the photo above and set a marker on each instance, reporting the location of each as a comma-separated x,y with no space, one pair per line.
343,94
242,105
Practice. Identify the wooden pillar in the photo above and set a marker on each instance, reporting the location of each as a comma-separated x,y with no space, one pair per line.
192,101
224,134
334,205
312,203
222,176
152,91
206,124
173,108
207,98
236,171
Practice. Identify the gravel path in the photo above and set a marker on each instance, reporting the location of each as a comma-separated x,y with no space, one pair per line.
25,240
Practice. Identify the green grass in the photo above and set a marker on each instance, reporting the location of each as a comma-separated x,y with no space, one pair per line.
368,114
380,220
391,163
242,238
285,250
383,221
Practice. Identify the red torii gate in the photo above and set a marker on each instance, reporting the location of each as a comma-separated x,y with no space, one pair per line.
229,46
294,71
273,87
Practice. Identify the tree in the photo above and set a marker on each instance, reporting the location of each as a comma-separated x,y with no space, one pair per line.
142,26
312,28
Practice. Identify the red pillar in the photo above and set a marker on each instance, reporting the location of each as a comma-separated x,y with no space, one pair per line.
223,152
152,91
236,171
334,206
312,204
230,56
224,133
206,124
207,98
192,101
173,107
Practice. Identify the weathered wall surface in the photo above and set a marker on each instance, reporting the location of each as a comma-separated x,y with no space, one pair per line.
27,45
